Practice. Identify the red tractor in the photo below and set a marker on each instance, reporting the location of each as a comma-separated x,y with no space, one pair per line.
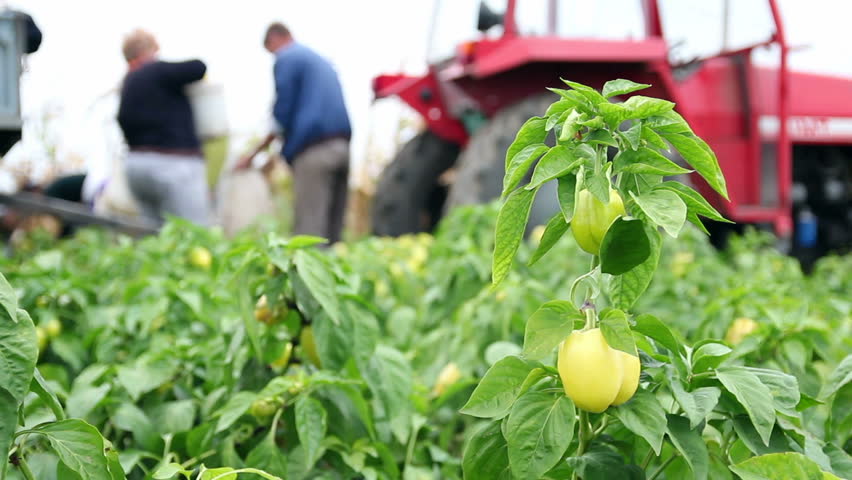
783,139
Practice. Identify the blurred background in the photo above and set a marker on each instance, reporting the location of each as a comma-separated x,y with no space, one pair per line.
68,88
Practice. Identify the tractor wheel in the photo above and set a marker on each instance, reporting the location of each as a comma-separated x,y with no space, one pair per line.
481,165
409,198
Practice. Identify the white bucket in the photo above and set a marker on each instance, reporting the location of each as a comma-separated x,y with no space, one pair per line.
208,109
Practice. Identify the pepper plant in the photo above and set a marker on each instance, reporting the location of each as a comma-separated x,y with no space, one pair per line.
573,403
83,452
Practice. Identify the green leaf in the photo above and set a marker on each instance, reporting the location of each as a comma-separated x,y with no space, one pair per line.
8,422
304,241
639,183
554,231
695,203
573,99
520,165
223,473
753,395
718,463
699,155
565,189
814,451
79,446
697,404
599,184
116,471
640,106
693,219
486,456
555,115
541,427
601,463
601,137
320,281
687,440
653,138
311,426
40,388
558,161
669,122
633,135
651,326
780,466
745,431
146,374
644,416
616,331
621,86
624,247
590,93
783,387
334,343
532,131
498,389
837,379
629,286
84,398
169,470
131,418
806,401
594,123
646,161
9,302
840,421
389,376
561,106
511,223
613,113
548,326
664,208
174,417
235,408
841,462
571,126
708,356
18,353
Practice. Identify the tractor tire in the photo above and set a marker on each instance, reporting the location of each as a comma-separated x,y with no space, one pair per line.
409,198
481,166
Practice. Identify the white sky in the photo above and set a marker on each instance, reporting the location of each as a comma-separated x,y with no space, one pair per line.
80,57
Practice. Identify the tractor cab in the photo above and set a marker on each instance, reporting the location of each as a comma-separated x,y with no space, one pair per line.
458,25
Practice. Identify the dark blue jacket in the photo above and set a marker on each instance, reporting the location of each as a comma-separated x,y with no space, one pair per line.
309,102
154,110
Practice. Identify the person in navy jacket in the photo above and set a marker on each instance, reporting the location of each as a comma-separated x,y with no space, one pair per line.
166,170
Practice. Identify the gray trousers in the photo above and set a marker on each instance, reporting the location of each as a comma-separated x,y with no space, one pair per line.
321,186
169,184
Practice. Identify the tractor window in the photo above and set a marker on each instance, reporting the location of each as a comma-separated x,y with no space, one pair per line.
456,21
702,28
602,19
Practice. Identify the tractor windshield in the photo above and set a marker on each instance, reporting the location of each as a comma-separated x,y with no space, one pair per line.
703,29
458,21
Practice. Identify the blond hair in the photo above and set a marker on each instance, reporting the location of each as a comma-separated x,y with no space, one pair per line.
137,43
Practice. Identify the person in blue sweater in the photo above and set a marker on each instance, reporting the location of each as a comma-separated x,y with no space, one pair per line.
311,113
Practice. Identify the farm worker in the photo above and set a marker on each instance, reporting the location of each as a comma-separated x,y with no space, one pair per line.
165,167
310,109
